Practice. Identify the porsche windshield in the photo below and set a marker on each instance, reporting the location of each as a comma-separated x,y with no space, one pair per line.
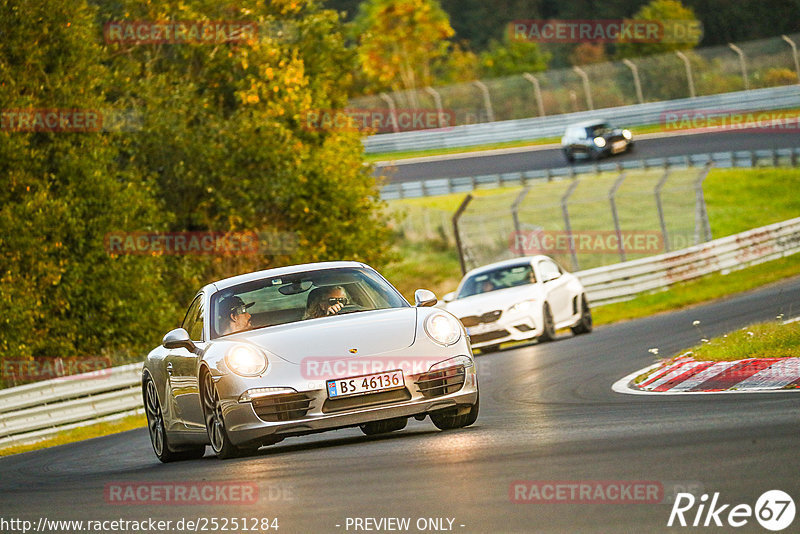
300,297
505,277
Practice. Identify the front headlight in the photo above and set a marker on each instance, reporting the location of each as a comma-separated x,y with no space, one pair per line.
443,329
523,306
627,134
246,361
600,141
452,362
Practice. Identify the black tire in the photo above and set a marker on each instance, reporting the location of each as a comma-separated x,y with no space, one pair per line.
584,326
570,156
548,326
448,420
382,427
215,423
158,433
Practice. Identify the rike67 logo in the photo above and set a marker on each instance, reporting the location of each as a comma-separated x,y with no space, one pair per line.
774,510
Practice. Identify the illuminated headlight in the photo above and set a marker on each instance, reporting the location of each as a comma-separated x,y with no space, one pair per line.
452,362
523,306
443,329
246,361
600,141
627,134
259,393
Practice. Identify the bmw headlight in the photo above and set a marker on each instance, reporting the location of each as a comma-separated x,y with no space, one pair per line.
627,134
246,361
523,306
600,141
443,329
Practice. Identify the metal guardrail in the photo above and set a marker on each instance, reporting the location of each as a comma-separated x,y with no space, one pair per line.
36,411
771,98
624,280
443,186
39,410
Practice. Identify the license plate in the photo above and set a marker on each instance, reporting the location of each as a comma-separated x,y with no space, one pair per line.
361,385
618,146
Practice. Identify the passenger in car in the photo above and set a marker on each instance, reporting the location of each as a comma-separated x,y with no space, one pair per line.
324,301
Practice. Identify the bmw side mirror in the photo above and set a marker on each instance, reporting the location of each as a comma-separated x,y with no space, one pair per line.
175,339
449,297
424,298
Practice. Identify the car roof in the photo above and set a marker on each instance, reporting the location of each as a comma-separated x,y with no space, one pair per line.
586,124
280,271
506,263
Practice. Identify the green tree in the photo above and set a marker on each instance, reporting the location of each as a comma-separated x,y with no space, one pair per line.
62,293
401,42
512,57
682,30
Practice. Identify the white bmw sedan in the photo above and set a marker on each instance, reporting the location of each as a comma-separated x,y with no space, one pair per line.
517,300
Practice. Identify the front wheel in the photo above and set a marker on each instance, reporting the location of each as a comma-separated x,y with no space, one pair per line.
450,420
215,424
158,431
584,325
548,326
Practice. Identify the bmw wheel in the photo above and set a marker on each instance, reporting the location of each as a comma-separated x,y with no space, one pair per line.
584,325
158,432
548,326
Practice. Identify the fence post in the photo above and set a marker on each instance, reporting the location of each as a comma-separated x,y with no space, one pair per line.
794,55
701,224
437,99
611,198
586,88
537,91
392,109
689,78
515,215
740,53
456,217
636,83
568,226
660,208
487,100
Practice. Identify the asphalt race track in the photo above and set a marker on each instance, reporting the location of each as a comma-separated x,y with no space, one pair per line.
675,145
547,414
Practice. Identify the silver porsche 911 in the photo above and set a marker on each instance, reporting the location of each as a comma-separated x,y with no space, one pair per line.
303,349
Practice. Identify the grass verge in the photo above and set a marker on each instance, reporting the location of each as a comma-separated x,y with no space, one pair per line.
79,434
762,340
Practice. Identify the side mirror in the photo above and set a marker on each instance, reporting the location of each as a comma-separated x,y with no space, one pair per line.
424,298
449,297
175,339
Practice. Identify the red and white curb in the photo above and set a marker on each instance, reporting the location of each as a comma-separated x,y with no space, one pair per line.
686,376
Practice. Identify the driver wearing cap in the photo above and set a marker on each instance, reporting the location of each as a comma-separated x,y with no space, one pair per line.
234,316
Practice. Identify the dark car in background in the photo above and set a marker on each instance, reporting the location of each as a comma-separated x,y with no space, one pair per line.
595,139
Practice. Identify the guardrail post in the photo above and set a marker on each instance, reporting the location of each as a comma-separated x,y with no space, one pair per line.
740,53
437,99
586,88
612,200
689,77
456,217
392,109
660,208
702,228
794,56
487,100
537,91
636,83
515,215
568,226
